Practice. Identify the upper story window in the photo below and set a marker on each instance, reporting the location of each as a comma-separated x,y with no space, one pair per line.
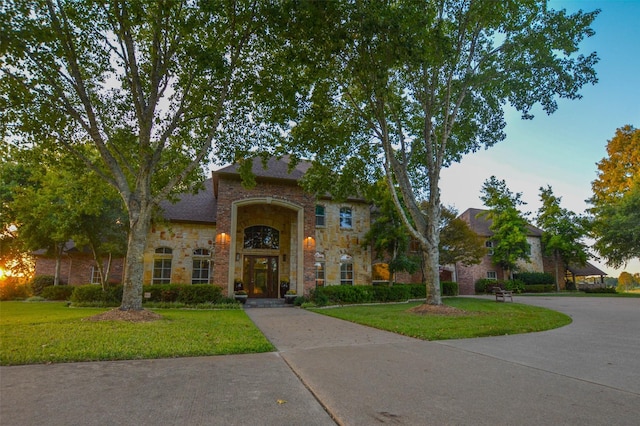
162,266
346,219
489,245
320,216
201,266
261,237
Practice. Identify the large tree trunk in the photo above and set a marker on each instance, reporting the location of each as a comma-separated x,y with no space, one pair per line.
431,258
140,220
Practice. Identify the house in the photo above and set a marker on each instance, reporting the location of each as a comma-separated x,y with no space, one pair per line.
468,275
265,239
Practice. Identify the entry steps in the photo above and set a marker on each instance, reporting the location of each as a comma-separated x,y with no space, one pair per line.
266,303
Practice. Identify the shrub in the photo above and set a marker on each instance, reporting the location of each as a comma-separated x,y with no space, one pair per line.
611,290
516,286
539,288
192,294
93,295
57,292
448,288
485,285
39,282
348,294
188,294
531,278
11,289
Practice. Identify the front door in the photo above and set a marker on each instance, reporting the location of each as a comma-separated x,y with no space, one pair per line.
261,276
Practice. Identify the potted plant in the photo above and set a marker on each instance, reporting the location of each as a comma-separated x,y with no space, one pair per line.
240,295
290,296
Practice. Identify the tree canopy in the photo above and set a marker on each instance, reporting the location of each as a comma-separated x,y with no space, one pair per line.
508,224
616,199
156,87
410,87
563,233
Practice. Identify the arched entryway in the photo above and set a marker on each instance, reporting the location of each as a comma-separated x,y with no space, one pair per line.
266,246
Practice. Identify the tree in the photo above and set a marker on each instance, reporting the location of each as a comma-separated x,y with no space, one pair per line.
388,235
458,242
61,202
509,225
563,232
626,281
616,199
155,86
412,86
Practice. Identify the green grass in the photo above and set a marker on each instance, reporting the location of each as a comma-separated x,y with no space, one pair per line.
482,318
32,333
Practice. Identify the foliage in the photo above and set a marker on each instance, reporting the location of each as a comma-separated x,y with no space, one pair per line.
58,292
626,282
484,285
598,290
458,242
12,289
478,318
509,226
95,295
563,233
532,278
39,282
515,285
350,294
616,199
449,288
539,288
153,88
387,235
410,87
34,333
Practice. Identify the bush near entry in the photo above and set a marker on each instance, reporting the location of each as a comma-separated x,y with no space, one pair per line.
351,294
188,294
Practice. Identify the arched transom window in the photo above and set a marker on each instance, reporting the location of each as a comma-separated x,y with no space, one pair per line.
261,237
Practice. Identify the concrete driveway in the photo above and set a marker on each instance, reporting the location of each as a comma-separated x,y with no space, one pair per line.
328,371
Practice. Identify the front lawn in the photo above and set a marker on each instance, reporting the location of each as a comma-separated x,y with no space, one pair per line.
480,318
32,333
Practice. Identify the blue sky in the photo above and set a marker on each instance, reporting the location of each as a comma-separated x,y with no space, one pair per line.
562,150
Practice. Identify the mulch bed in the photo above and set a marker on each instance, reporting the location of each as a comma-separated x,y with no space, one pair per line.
129,316
425,309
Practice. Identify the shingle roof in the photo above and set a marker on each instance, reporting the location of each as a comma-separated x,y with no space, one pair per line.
196,208
587,270
276,169
479,223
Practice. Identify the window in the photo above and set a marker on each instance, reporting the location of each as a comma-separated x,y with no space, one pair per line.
346,273
345,217
261,237
319,274
320,216
489,245
162,266
492,275
201,266
95,275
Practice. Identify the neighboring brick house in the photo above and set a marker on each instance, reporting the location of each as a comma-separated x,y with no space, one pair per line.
261,237
468,275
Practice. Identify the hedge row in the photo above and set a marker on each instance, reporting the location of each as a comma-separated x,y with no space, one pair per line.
350,294
57,292
187,294
485,286
535,278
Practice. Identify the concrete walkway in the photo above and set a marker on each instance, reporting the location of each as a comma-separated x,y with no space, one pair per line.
329,371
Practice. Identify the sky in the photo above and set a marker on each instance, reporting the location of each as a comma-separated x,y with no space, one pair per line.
561,150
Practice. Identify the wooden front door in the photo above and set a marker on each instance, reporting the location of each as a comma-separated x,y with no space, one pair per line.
261,276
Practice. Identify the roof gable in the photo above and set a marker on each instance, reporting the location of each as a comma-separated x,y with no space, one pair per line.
200,207
478,222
